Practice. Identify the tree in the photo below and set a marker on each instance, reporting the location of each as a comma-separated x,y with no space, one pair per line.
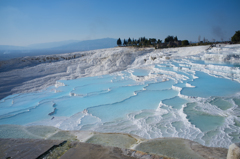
119,42
124,42
153,40
143,39
175,38
135,42
199,38
129,41
168,39
148,42
185,42
159,41
236,36
204,40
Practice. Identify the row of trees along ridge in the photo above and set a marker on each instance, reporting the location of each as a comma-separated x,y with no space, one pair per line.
169,41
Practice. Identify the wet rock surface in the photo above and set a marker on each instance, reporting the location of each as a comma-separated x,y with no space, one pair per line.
35,141
209,152
26,148
49,149
181,148
115,140
92,151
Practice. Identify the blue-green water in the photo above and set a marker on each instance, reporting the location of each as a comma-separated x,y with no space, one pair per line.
174,100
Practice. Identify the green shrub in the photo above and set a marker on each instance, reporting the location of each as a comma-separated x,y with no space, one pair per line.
236,37
185,42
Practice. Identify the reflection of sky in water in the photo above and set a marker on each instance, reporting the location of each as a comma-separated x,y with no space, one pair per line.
129,103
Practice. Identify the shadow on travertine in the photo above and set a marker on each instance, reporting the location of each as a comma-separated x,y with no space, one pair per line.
47,142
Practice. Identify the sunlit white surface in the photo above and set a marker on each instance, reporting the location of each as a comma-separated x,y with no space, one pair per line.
192,94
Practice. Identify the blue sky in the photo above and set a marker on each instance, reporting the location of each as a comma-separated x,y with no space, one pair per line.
24,22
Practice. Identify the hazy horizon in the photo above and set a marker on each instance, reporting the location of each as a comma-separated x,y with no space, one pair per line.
10,51
70,41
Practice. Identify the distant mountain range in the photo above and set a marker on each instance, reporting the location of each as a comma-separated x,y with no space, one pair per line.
9,51
89,44
52,44
11,47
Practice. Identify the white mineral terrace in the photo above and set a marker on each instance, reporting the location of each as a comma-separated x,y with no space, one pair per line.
187,92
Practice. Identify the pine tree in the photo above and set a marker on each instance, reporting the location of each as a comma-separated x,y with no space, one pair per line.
175,38
236,36
124,42
168,39
119,42
129,41
159,41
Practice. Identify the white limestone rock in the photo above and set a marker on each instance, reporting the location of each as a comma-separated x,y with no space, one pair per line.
234,151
